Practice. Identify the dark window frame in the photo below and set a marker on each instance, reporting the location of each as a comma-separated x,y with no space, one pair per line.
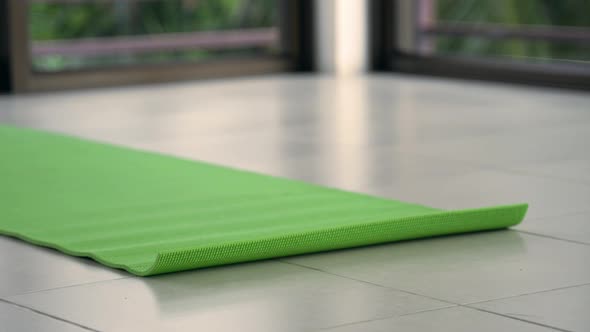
4,58
387,57
17,76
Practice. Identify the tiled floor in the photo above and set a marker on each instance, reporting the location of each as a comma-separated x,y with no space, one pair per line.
445,143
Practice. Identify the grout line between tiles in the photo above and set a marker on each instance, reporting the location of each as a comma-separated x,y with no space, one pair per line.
527,294
385,318
451,304
519,319
3,297
552,237
444,308
48,315
427,296
367,282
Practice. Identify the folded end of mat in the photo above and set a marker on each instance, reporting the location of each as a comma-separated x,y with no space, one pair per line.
362,234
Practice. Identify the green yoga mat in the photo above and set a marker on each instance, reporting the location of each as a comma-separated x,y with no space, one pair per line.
151,214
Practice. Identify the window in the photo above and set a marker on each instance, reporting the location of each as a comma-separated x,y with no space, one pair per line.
72,43
533,41
81,34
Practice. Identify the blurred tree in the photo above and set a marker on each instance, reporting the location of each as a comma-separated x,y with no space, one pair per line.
514,12
87,19
103,18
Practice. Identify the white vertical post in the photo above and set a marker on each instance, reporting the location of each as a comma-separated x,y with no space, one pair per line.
342,30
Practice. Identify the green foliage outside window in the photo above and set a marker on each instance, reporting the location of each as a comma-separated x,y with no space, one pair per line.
513,12
86,19
53,21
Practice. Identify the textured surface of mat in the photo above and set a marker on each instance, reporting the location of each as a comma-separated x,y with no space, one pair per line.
151,214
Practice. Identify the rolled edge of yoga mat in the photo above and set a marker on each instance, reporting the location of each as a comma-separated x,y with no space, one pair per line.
377,232
432,224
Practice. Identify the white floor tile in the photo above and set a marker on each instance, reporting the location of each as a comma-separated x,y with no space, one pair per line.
463,268
574,227
358,169
574,170
514,149
27,268
439,142
16,319
457,319
563,308
265,296
546,196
